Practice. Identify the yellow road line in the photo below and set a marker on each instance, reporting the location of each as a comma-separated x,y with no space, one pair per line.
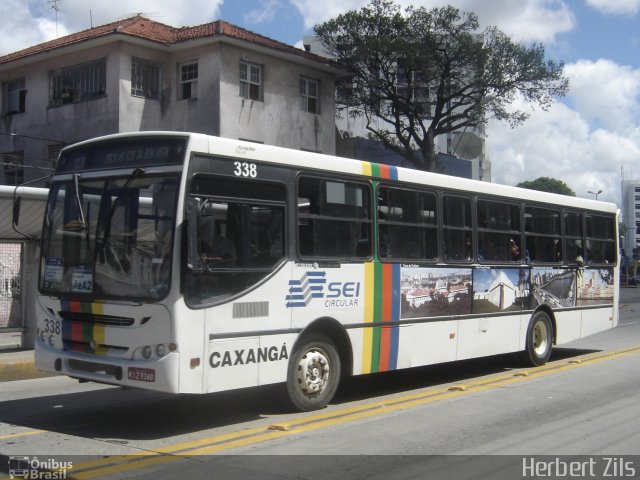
22,434
211,445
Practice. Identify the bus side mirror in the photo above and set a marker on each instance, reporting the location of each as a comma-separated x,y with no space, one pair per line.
194,259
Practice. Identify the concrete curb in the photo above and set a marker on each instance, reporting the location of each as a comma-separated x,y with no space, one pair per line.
21,367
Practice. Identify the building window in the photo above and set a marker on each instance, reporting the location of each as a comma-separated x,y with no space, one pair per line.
145,79
250,81
188,81
77,83
13,163
14,96
345,88
413,87
309,92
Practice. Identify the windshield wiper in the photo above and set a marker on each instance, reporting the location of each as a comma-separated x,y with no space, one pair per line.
76,184
138,172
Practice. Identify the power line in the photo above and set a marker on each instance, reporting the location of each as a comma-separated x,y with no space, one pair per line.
20,165
31,137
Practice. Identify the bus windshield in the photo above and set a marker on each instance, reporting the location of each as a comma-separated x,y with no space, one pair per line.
110,238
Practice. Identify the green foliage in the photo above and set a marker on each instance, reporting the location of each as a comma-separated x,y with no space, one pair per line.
419,73
547,184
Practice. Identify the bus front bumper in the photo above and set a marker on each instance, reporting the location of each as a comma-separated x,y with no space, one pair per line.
160,374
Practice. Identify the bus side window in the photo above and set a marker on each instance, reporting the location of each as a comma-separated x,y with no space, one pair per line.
498,231
408,224
601,240
334,218
456,219
542,235
574,247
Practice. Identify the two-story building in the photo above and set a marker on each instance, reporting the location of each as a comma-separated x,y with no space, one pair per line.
138,74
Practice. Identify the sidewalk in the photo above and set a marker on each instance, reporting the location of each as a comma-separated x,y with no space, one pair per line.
15,363
18,365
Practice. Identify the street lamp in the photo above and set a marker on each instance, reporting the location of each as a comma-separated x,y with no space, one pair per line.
595,193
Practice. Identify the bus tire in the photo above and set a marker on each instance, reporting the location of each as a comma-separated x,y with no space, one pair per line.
539,341
313,373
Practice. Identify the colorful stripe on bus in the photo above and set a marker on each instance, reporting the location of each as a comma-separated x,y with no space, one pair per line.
382,299
382,311
77,336
376,170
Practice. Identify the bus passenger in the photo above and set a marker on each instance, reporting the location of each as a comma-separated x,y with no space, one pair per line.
515,250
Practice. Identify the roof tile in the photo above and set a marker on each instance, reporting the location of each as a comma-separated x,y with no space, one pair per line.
141,27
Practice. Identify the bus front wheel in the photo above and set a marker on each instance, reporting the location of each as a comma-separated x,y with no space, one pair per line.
539,340
314,372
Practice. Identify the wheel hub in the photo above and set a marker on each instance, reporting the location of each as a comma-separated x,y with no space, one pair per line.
313,372
540,338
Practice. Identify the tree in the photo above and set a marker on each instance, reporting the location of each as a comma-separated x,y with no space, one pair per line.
419,73
547,184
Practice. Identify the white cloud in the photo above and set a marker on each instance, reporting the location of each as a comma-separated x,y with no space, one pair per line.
616,7
266,13
20,28
606,92
528,20
524,20
78,14
561,144
314,12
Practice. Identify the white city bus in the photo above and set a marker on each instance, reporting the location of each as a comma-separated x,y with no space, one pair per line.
187,263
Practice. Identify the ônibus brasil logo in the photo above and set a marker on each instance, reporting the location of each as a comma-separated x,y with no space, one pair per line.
312,285
38,469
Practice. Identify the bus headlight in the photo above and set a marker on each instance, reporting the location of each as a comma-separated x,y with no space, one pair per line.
161,350
146,352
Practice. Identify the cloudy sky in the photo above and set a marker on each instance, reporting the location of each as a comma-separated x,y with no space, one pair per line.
588,139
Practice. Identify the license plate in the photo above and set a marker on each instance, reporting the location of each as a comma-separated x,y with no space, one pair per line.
141,374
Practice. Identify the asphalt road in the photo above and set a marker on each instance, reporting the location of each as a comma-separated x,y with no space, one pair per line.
475,419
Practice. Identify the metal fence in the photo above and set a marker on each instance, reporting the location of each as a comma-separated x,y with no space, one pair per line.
10,282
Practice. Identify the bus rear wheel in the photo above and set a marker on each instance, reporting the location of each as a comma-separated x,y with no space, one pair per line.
314,372
539,339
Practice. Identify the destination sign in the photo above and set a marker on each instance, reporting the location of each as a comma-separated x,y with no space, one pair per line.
123,153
